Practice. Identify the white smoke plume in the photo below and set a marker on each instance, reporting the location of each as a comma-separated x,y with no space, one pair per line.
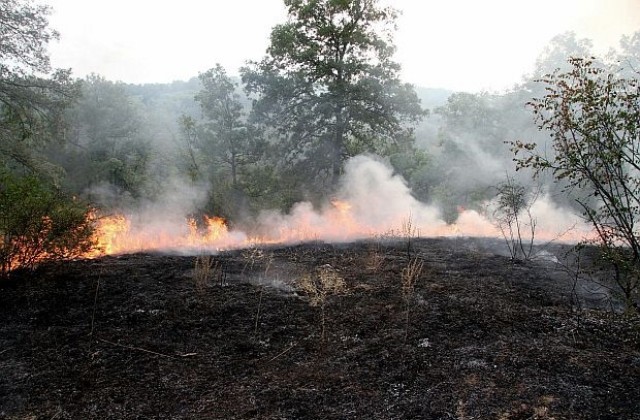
372,200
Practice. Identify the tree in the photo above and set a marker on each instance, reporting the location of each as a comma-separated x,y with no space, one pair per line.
225,134
222,147
32,106
104,144
559,50
37,222
593,117
328,88
512,216
629,54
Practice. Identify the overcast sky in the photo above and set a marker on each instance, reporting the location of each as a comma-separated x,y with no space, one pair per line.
456,44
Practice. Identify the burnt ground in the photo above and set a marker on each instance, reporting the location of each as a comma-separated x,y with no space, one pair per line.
141,336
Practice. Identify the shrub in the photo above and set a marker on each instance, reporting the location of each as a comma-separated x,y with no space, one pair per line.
593,117
38,223
513,217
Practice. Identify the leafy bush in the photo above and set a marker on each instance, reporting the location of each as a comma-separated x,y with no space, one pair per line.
593,117
38,223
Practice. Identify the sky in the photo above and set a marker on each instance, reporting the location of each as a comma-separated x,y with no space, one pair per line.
462,45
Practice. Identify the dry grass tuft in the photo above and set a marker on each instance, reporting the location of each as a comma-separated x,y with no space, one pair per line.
256,255
202,271
410,275
318,286
206,269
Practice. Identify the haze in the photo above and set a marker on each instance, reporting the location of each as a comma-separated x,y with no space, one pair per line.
460,45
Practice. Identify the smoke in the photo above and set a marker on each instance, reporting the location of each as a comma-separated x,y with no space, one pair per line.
371,201
382,199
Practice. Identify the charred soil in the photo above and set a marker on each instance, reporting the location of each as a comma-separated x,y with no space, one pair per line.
234,337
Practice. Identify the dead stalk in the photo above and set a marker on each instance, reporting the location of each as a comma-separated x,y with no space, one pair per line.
149,351
202,271
255,328
409,232
410,275
375,257
269,259
93,314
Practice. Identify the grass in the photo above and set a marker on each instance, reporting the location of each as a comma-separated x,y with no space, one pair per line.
318,285
410,275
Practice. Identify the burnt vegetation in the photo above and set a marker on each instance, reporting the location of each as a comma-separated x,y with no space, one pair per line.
476,336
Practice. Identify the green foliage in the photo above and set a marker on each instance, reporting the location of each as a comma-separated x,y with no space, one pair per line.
224,136
31,105
222,147
105,145
593,118
24,35
39,224
328,89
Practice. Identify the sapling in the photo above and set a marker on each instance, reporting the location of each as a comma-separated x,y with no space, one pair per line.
513,217
409,232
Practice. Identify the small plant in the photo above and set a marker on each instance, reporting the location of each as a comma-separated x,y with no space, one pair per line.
375,257
318,286
206,268
512,216
410,275
269,260
202,271
256,255
409,232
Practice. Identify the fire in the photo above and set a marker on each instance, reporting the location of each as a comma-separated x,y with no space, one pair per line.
108,231
118,234
339,221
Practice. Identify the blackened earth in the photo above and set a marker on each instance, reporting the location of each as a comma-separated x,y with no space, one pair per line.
480,337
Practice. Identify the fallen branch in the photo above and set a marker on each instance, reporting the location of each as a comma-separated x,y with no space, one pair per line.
148,351
281,353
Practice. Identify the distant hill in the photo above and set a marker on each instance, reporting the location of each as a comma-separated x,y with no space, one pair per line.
178,95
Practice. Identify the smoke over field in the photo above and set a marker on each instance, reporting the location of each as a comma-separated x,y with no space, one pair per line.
371,202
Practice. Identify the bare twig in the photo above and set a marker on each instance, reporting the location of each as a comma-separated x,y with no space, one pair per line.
124,346
282,353
93,314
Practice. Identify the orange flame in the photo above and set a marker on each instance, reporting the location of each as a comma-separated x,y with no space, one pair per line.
338,222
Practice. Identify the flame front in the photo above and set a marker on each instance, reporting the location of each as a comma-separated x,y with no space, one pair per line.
341,221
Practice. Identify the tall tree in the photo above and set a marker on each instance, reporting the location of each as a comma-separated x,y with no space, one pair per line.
328,87
557,53
32,98
104,140
37,222
225,136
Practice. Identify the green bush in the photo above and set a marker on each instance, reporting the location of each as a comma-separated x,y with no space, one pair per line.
38,223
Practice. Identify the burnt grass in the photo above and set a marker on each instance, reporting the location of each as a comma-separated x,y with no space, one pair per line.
136,336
